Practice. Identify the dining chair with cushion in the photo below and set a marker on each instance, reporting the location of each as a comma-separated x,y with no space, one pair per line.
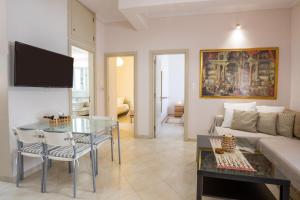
99,139
30,144
67,150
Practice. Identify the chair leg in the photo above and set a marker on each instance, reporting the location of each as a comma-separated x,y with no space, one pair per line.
70,167
45,175
22,167
49,163
18,169
112,148
74,170
95,160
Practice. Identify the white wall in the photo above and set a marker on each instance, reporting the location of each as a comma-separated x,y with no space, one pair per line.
5,155
260,29
176,67
42,24
295,59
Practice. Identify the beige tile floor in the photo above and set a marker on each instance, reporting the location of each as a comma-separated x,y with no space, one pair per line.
162,169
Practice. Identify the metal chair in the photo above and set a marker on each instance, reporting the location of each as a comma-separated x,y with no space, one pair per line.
30,144
67,150
99,139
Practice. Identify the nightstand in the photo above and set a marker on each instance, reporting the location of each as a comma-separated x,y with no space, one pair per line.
179,110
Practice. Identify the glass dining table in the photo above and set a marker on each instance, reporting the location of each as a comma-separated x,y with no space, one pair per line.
81,125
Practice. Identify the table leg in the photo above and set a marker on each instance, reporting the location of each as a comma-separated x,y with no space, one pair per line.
119,145
111,144
22,163
45,174
199,186
285,192
93,162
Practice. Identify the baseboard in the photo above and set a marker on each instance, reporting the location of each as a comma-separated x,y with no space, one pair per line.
8,179
190,139
28,172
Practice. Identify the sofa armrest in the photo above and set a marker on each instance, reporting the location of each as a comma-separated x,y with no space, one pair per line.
218,120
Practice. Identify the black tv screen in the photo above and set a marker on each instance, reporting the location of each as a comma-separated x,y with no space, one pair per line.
35,67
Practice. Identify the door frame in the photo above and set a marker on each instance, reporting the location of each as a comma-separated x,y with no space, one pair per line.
106,81
94,98
154,53
86,46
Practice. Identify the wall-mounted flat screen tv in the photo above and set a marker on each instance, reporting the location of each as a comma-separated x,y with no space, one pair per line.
36,67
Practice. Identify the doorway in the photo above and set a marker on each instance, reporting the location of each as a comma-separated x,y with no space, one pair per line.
170,94
83,82
120,90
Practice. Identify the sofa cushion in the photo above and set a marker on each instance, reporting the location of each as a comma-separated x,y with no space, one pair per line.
285,124
244,120
296,123
230,107
252,137
283,152
267,123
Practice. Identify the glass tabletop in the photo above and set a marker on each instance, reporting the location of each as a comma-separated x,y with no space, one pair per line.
80,125
207,161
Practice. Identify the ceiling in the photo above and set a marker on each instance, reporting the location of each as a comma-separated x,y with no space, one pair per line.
138,11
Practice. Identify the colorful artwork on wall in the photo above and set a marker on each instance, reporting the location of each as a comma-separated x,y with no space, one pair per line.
239,73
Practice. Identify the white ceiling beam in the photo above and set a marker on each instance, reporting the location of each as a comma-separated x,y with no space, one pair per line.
126,4
137,11
137,20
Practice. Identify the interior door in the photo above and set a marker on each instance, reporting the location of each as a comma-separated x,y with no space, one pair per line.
157,95
83,82
164,91
111,87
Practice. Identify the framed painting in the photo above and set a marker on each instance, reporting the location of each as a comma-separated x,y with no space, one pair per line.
239,73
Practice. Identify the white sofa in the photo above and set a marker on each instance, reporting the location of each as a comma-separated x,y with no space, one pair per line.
283,152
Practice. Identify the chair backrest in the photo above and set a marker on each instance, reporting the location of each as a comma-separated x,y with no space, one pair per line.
58,138
28,136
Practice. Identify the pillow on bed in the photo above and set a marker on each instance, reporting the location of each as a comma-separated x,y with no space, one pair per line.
120,101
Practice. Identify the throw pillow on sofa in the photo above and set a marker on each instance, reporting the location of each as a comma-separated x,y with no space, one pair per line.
285,124
270,109
230,107
296,123
267,123
244,121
